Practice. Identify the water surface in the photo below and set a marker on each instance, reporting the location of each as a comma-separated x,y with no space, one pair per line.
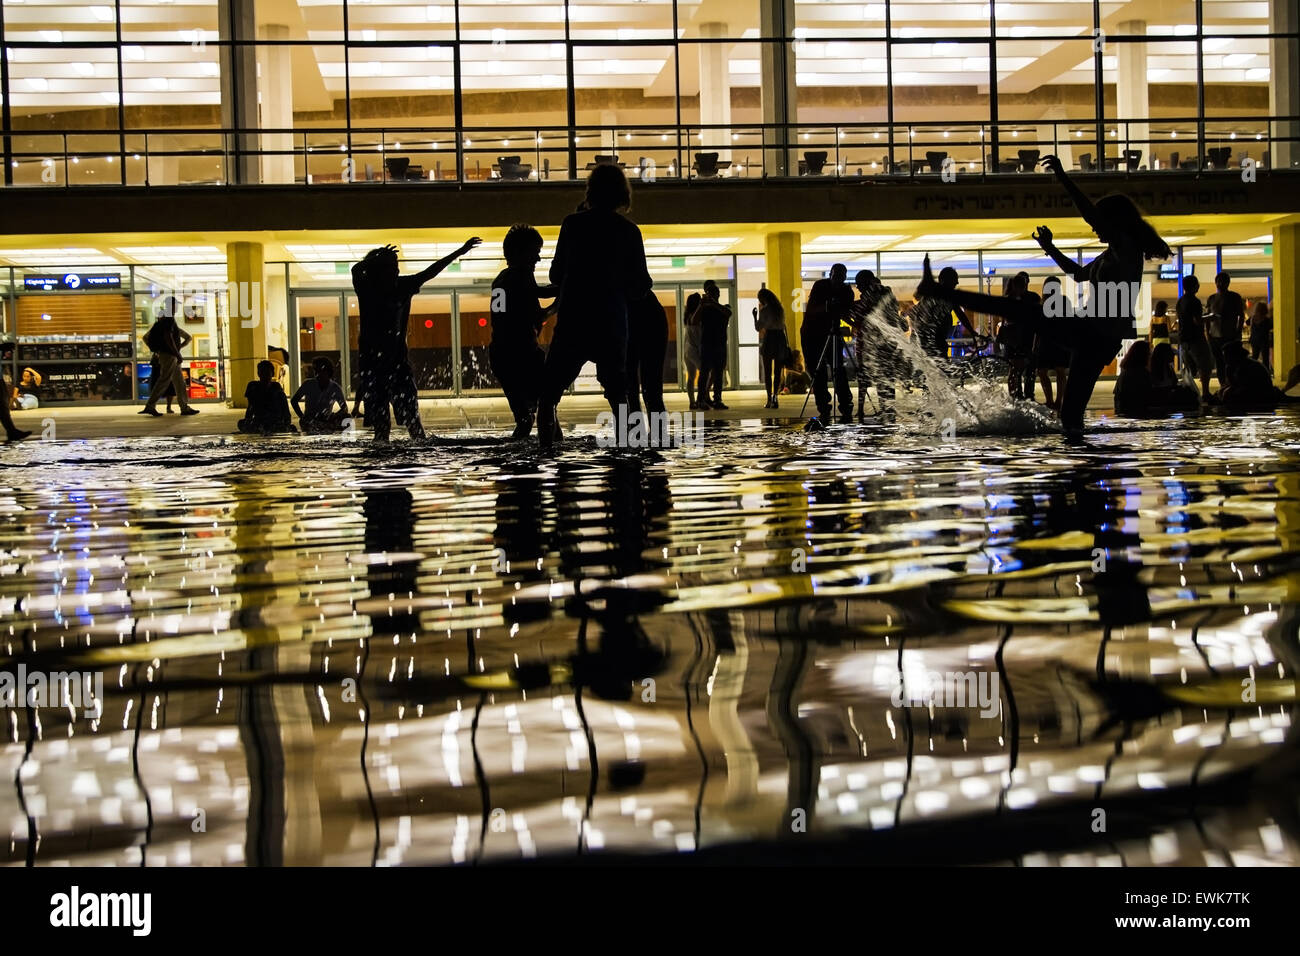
316,652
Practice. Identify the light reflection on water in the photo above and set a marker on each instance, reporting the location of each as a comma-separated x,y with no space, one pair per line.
318,653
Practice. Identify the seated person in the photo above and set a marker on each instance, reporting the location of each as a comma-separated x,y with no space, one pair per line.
796,378
1168,393
326,407
27,393
1133,387
268,410
1249,384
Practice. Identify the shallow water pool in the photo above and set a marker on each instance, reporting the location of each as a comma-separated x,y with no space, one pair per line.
869,642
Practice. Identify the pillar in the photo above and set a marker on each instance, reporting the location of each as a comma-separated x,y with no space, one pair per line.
784,277
1132,100
1286,297
236,21
715,94
275,99
778,91
1284,75
246,314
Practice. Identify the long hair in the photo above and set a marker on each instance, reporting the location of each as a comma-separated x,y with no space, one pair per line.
767,299
692,303
1123,217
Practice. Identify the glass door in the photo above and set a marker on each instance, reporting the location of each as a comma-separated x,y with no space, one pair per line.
323,333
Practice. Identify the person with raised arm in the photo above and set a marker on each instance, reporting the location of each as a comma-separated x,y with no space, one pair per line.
384,297
1096,327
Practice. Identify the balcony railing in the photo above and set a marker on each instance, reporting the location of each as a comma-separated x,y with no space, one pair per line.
431,155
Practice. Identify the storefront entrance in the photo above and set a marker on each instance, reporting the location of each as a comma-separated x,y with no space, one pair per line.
448,336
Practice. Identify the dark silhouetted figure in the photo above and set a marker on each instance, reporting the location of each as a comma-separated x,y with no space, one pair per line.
384,297
1261,334
1197,357
713,318
1049,354
12,431
691,345
599,267
1099,323
326,408
647,344
828,307
773,344
268,409
879,359
1133,385
166,339
517,360
1225,316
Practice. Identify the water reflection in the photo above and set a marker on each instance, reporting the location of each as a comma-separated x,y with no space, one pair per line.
316,653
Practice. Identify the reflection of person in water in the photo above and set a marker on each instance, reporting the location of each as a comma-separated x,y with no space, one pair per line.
389,531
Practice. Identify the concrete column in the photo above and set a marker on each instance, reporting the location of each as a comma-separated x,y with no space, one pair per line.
715,94
778,90
245,268
1286,297
236,21
276,321
275,99
1131,97
784,252
1284,76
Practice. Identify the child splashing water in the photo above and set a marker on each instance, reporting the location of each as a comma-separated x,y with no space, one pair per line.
1104,316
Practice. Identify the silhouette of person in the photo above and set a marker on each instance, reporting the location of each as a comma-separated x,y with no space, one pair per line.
1093,334
326,406
12,431
829,302
647,343
517,316
599,267
384,298
713,317
877,358
1017,339
268,409
1112,280
1225,314
166,339
1198,360
691,345
769,322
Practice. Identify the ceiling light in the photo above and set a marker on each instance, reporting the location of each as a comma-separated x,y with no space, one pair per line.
38,83
84,69
102,14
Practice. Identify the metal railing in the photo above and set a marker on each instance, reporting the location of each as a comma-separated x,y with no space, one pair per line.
341,155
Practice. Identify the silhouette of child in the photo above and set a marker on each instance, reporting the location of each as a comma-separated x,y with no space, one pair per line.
268,410
384,297
517,360
326,407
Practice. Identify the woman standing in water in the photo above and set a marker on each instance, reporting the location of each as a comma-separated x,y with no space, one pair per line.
1094,329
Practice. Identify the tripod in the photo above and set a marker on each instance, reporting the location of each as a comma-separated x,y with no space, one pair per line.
833,339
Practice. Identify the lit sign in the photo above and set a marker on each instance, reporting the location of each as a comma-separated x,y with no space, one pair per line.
71,281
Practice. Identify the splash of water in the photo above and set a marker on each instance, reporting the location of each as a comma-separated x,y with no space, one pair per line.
938,398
